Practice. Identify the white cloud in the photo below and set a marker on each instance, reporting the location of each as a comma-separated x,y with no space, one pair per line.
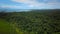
28,2
34,3
50,0
10,6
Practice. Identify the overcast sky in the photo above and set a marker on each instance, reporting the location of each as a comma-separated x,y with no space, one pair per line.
30,4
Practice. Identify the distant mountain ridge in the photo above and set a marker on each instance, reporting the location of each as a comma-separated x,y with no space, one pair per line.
28,10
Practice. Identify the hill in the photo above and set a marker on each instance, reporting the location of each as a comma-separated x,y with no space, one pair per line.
34,21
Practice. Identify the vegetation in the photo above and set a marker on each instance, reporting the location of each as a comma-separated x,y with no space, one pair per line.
34,22
5,28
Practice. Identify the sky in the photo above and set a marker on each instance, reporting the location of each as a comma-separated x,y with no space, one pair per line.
30,4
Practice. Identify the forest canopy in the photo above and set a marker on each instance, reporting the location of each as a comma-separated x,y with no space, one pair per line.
35,21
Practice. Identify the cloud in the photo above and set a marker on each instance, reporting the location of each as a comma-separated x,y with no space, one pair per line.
10,6
25,1
32,4
35,3
28,2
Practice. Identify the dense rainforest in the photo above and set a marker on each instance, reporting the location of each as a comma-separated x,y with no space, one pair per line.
34,21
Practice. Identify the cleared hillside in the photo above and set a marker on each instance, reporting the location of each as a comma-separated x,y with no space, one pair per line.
6,28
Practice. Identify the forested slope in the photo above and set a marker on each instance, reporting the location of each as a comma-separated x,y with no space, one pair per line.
38,22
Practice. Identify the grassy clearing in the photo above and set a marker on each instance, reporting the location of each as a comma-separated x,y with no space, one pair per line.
5,28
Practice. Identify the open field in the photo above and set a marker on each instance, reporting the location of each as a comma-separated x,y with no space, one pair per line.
5,28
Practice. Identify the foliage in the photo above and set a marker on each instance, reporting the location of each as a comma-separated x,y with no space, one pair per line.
47,22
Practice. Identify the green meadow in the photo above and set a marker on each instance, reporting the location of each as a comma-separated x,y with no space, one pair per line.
6,28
